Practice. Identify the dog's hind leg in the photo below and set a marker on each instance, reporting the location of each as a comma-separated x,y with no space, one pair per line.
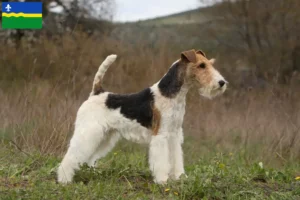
83,145
105,147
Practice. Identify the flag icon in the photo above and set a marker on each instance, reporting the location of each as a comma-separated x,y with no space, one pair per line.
22,15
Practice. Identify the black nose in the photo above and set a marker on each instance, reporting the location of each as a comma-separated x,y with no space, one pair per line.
221,83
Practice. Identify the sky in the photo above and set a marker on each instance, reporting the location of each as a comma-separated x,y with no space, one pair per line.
133,10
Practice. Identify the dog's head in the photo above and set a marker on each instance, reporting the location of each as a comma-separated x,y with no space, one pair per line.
201,73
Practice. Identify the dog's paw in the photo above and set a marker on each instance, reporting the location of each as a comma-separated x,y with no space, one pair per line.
161,180
179,176
184,176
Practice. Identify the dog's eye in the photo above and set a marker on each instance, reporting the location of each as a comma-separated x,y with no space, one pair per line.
202,65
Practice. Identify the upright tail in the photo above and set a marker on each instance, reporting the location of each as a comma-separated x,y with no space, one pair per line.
97,85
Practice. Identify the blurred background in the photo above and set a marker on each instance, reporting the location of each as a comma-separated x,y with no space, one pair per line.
46,74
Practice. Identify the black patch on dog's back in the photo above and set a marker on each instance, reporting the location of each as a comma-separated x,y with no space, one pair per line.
137,106
172,82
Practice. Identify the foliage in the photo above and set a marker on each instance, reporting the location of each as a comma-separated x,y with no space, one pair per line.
124,174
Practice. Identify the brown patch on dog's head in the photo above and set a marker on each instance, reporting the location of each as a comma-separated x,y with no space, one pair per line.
199,70
156,117
189,56
193,68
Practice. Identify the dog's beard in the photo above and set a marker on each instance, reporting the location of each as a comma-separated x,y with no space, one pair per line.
211,92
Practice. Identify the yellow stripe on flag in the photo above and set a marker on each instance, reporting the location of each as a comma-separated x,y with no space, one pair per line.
20,15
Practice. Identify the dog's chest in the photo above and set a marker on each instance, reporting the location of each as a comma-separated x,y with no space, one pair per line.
177,116
172,115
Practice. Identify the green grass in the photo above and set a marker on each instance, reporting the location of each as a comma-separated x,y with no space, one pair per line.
124,174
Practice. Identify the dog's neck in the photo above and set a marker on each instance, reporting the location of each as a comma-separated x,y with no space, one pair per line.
173,84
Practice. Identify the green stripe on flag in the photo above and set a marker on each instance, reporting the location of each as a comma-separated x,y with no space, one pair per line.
22,22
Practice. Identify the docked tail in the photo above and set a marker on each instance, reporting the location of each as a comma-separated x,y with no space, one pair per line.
97,85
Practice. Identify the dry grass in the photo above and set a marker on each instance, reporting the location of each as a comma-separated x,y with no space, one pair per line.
43,86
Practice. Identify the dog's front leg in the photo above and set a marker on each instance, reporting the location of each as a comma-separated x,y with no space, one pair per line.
176,155
159,158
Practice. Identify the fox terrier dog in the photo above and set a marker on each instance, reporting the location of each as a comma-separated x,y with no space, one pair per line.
153,116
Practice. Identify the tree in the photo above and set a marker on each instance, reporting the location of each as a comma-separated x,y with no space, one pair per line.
269,32
90,14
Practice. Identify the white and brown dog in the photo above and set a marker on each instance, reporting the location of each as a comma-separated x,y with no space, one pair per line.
153,116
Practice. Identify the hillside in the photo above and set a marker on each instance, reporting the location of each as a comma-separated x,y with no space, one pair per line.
188,17
202,28
195,16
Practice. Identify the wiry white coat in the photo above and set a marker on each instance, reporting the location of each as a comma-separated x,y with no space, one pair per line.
98,128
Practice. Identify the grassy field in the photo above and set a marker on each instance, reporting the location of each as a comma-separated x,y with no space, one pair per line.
42,85
124,174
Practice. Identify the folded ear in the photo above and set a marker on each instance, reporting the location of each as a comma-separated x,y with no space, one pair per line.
189,56
201,52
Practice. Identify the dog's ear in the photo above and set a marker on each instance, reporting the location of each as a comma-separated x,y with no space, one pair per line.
189,56
201,52
212,61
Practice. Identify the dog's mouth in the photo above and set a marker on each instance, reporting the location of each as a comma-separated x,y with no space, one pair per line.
211,93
